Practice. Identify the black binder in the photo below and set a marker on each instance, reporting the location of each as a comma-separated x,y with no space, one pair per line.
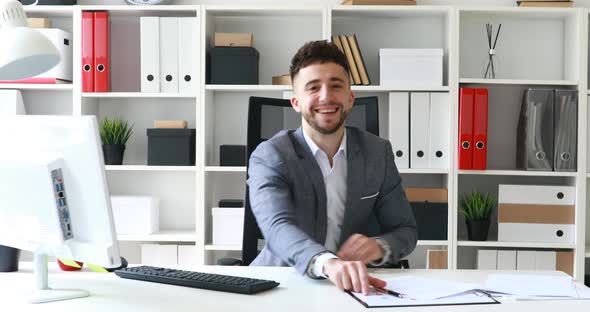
566,130
534,139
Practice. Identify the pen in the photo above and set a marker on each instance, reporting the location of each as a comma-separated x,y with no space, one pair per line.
390,292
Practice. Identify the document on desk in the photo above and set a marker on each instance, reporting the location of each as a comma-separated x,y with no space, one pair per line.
532,285
417,291
378,299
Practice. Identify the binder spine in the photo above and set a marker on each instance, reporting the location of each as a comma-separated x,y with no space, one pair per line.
87,51
566,128
466,99
101,52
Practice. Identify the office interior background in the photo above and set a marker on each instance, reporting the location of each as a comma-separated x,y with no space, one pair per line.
537,48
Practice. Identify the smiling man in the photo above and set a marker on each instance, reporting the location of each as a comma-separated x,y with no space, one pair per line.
328,198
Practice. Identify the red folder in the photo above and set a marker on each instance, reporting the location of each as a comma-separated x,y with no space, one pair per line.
466,99
480,129
101,52
87,51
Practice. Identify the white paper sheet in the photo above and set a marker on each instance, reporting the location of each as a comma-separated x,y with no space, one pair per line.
527,285
427,288
376,299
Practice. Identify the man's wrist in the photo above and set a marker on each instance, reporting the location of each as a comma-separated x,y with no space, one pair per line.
315,269
385,248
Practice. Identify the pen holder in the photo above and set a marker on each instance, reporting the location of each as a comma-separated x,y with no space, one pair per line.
490,71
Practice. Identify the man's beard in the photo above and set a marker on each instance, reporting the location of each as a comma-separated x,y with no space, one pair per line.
313,123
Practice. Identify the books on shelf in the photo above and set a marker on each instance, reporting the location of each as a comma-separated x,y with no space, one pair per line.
552,3
350,47
379,2
358,58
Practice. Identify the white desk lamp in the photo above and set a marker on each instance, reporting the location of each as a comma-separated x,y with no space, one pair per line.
25,52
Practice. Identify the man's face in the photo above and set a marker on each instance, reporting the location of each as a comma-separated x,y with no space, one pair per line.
323,97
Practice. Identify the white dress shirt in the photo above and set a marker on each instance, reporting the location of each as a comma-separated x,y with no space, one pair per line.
335,183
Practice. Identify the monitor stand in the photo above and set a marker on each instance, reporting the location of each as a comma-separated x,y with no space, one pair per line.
42,291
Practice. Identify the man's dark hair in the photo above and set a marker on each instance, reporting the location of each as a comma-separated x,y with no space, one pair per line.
315,52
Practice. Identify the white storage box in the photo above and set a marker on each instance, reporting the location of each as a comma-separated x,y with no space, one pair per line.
136,214
63,42
154,254
228,225
403,67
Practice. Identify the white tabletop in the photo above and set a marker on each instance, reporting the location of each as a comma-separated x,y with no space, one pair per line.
295,293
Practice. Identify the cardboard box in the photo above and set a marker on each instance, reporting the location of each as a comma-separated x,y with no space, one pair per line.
437,259
136,215
244,40
228,226
37,22
408,67
176,124
282,80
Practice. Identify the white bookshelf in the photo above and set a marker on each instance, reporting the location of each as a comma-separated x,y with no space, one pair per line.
526,56
150,168
518,82
515,245
44,87
163,236
225,169
521,173
132,95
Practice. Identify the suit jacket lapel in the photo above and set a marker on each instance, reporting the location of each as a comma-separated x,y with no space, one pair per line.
354,181
315,176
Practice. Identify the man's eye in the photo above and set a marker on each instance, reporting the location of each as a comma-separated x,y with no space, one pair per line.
312,88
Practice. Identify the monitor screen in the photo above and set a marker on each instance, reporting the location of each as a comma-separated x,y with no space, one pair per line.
53,192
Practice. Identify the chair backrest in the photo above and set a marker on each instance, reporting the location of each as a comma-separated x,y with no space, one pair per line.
266,117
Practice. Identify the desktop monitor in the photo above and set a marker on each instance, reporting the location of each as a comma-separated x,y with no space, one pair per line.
54,199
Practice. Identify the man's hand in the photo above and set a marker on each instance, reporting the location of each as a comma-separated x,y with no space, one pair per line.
351,275
360,248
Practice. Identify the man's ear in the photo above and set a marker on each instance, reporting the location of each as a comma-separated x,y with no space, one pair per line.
295,103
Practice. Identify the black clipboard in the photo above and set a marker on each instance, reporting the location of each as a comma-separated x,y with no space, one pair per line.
489,300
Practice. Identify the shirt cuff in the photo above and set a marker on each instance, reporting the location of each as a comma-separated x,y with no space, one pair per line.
386,252
316,267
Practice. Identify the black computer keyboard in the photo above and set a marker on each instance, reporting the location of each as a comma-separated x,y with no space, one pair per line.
242,285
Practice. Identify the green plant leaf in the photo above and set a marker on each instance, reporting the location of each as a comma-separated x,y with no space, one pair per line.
115,131
477,206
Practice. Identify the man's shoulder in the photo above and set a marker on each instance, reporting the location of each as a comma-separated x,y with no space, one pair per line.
278,148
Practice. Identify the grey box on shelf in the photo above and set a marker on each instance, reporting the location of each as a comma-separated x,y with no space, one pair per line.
232,65
171,147
232,155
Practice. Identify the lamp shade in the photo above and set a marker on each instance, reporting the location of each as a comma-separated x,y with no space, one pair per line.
24,52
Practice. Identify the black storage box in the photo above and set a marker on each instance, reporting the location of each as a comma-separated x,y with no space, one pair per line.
232,65
231,203
232,155
171,147
431,219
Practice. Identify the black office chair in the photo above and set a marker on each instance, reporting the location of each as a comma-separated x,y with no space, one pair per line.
266,117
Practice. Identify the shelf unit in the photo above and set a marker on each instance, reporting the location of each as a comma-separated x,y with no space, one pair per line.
525,58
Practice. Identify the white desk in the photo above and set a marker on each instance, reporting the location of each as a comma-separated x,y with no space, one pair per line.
296,293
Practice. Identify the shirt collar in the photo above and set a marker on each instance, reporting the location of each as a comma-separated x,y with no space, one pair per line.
315,148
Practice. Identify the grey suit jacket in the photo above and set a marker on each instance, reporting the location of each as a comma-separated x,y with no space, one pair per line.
288,198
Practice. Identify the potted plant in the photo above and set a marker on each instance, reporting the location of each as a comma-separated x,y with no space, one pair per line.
477,208
114,134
